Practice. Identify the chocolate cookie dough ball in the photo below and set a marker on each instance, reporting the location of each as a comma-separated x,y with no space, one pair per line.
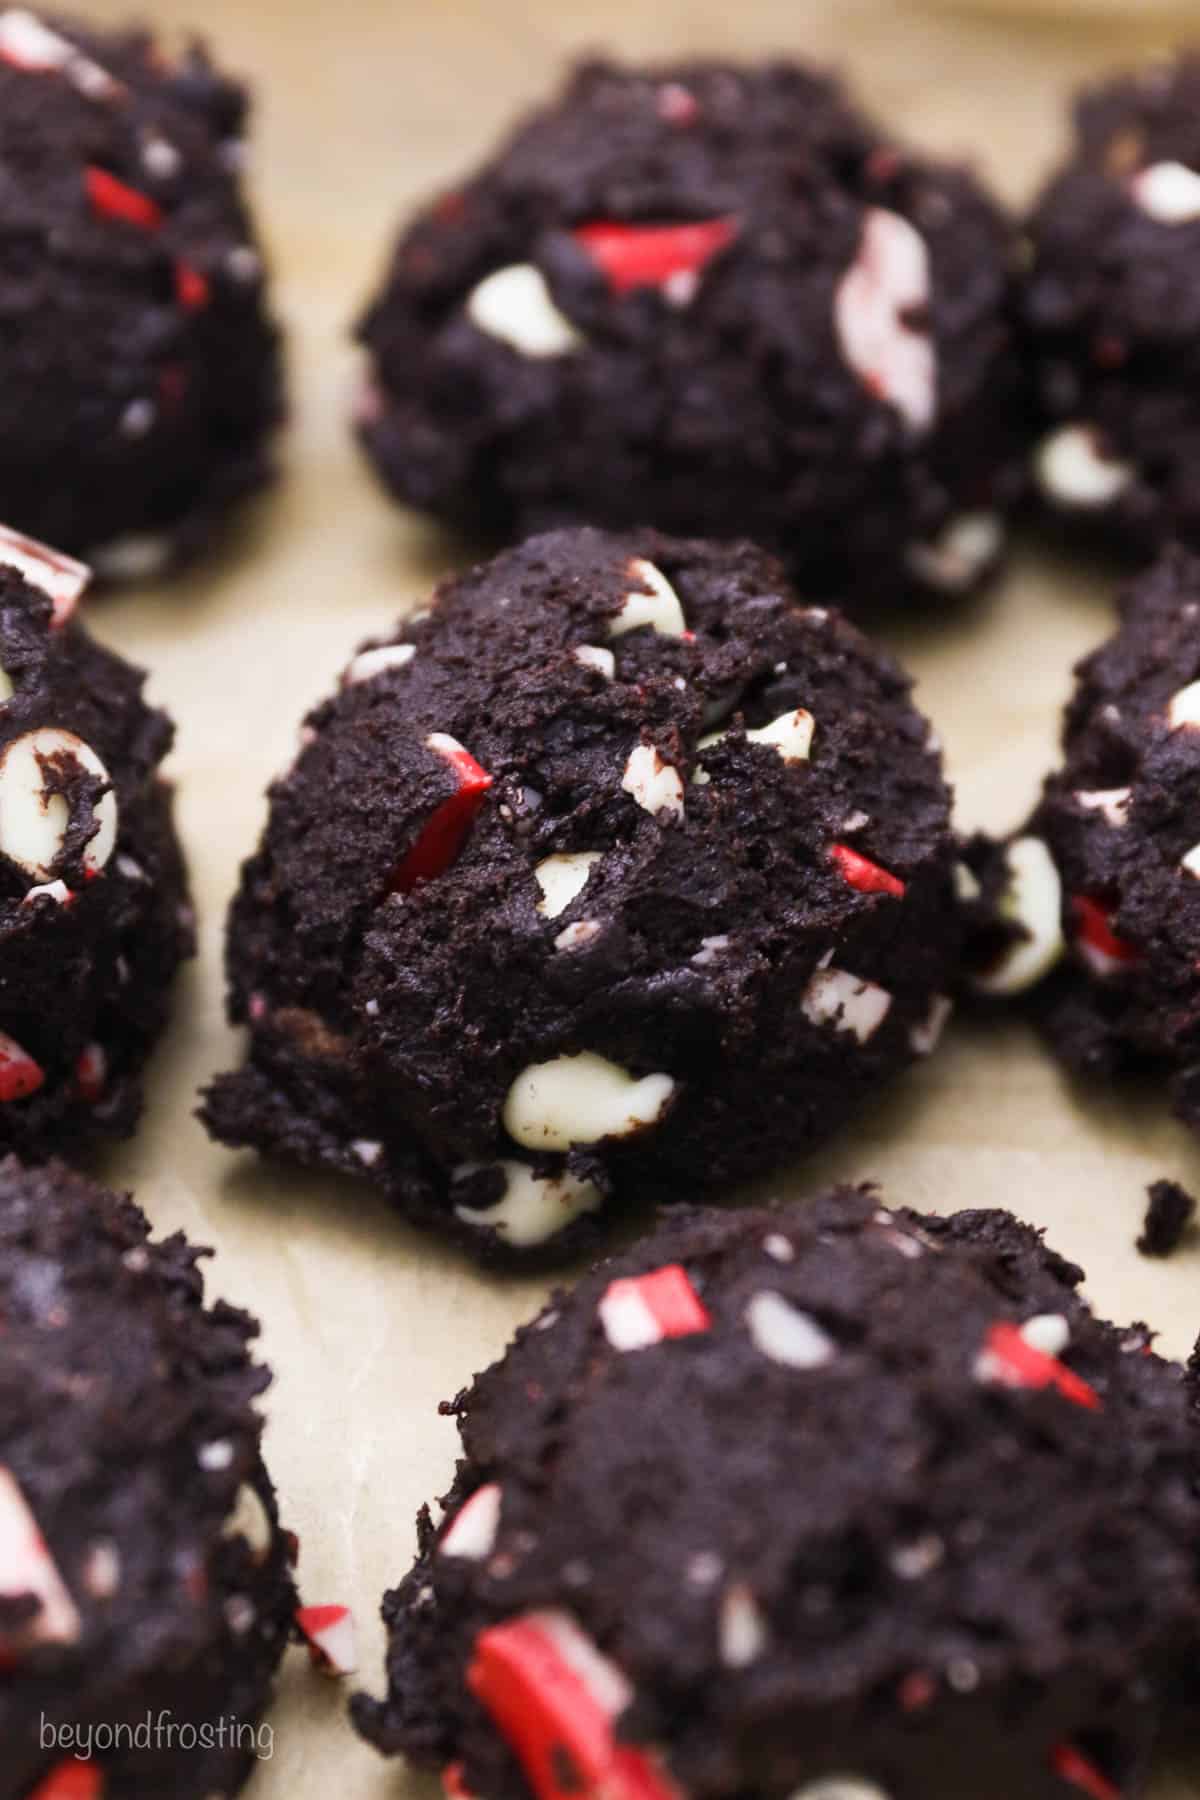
620,867
714,300
1094,909
139,370
1112,310
834,1502
143,1573
94,914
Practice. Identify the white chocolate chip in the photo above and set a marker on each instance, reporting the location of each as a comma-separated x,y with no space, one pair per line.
574,937
367,1150
888,281
1190,864
215,1456
855,821
925,1037
966,885
34,821
561,877
102,1569
27,1567
791,734
514,306
240,1614
654,603
1168,192
1047,1332
1112,802
653,783
786,1335
580,1100
834,996
161,159
593,657
779,1248
472,1533
138,418
1033,900
711,949
911,1562
139,556
533,1207
1184,707
369,663
1070,466
960,553
49,890
741,1629
251,1520
244,264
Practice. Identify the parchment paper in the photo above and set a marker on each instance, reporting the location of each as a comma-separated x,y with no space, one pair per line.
363,107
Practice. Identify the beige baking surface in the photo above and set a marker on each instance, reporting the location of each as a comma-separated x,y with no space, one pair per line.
364,106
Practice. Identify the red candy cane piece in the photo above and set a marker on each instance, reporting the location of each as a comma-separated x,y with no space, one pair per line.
60,577
637,256
91,1073
454,1784
877,317
20,1075
1099,944
555,1699
1072,1766
1009,1358
27,1567
71,1780
114,199
642,1310
865,875
192,289
444,831
330,1634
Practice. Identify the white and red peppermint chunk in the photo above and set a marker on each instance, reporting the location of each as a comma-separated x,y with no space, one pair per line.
91,1073
671,258
1009,1359
27,1567
637,1311
471,1534
1095,940
60,577
876,315
1080,1772
445,830
555,1699
329,1631
26,42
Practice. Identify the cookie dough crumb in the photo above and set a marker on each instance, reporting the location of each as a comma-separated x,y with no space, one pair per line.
1170,1210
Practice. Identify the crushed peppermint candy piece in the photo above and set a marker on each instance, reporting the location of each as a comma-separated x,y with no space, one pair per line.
653,602
329,1631
926,1035
445,830
26,42
637,1311
1047,1332
555,1699
655,256
958,556
91,1073
741,1628
471,1534
193,290
60,577
453,1783
20,1075
34,818
1096,941
785,1334
867,876
884,289
70,1780
1073,1767
1008,1359
111,198
27,1567
580,1100
515,307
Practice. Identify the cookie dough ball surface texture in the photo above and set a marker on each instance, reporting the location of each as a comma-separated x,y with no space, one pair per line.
714,300
142,1568
619,866
94,912
1112,311
835,1501
1104,880
139,370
